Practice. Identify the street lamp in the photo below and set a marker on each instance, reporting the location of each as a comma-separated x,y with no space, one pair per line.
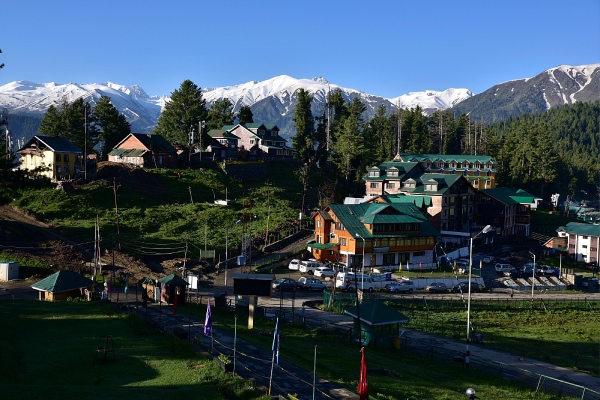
533,277
468,353
362,278
226,251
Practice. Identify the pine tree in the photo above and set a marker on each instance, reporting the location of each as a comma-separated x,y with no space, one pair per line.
220,113
303,140
112,126
183,113
245,115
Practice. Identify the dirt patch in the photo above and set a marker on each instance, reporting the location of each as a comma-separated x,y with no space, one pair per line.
145,183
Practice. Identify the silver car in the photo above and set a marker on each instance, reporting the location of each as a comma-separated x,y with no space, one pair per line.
400,287
310,284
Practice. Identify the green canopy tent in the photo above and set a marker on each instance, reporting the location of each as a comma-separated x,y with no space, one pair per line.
376,322
171,286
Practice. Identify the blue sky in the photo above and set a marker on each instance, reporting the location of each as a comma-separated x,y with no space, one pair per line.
382,47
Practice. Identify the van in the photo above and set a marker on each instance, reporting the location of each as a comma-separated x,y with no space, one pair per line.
349,280
501,268
461,266
309,267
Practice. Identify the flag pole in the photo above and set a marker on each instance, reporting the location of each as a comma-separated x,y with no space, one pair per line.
234,342
271,377
315,373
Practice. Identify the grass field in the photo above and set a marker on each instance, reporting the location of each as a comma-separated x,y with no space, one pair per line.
47,351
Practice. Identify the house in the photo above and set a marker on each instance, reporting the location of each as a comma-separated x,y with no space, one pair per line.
386,234
508,210
62,285
223,145
144,150
55,157
260,141
583,241
479,170
448,198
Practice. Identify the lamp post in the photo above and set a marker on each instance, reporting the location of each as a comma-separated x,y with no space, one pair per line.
226,251
533,277
468,353
362,278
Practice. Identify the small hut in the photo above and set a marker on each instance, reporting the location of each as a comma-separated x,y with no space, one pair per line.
172,286
379,324
62,285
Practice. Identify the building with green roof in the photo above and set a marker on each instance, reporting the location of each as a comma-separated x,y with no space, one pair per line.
259,141
506,209
144,150
61,285
223,145
479,170
583,241
386,233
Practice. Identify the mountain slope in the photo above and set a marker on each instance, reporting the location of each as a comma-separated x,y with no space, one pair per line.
554,87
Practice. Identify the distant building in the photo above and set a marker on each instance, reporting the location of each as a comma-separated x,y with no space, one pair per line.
508,210
259,141
55,157
144,150
223,145
479,170
583,240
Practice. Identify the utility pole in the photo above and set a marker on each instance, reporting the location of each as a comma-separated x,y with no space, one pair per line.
191,142
114,187
200,126
268,211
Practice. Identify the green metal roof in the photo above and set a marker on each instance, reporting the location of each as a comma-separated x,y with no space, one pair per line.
174,280
510,196
419,201
377,313
127,152
445,158
580,228
355,216
62,281
323,246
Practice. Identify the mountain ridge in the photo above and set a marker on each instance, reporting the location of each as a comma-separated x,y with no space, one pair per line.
274,100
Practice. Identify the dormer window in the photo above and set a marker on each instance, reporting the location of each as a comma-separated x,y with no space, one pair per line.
431,186
392,172
374,173
409,184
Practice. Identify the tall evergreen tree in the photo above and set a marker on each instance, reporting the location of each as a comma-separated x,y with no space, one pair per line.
220,113
303,140
245,115
183,113
111,125
68,120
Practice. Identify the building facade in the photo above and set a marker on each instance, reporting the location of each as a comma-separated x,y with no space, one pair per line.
583,241
387,235
144,150
53,157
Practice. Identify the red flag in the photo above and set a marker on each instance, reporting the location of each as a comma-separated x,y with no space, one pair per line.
175,303
363,382
420,265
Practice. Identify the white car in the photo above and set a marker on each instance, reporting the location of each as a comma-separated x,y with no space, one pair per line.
294,264
324,272
488,259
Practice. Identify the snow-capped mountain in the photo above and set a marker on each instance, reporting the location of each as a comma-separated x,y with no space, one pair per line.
273,100
141,110
554,87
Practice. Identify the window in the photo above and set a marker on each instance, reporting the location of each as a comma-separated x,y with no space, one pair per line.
66,158
583,246
388,259
390,185
430,187
374,185
418,253
476,182
318,223
585,237
374,173
392,172
465,173
488,183
330,252
251,141
58,157
343,241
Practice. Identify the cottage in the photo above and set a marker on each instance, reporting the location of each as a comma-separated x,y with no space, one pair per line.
144,150
62,285
53,157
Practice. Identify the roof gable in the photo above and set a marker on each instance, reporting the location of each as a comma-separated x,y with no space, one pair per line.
62,281
53,143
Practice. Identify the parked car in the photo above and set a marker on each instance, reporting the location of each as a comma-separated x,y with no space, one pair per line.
402,286
294,264
590,283
546,270
464,287
324,272
309,267
488,259
310,284
285,284
501,267
436,287
513,273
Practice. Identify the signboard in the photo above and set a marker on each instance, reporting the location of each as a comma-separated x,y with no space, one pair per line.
253,284
381,250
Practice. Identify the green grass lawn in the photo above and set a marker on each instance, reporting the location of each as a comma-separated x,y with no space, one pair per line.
47,351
